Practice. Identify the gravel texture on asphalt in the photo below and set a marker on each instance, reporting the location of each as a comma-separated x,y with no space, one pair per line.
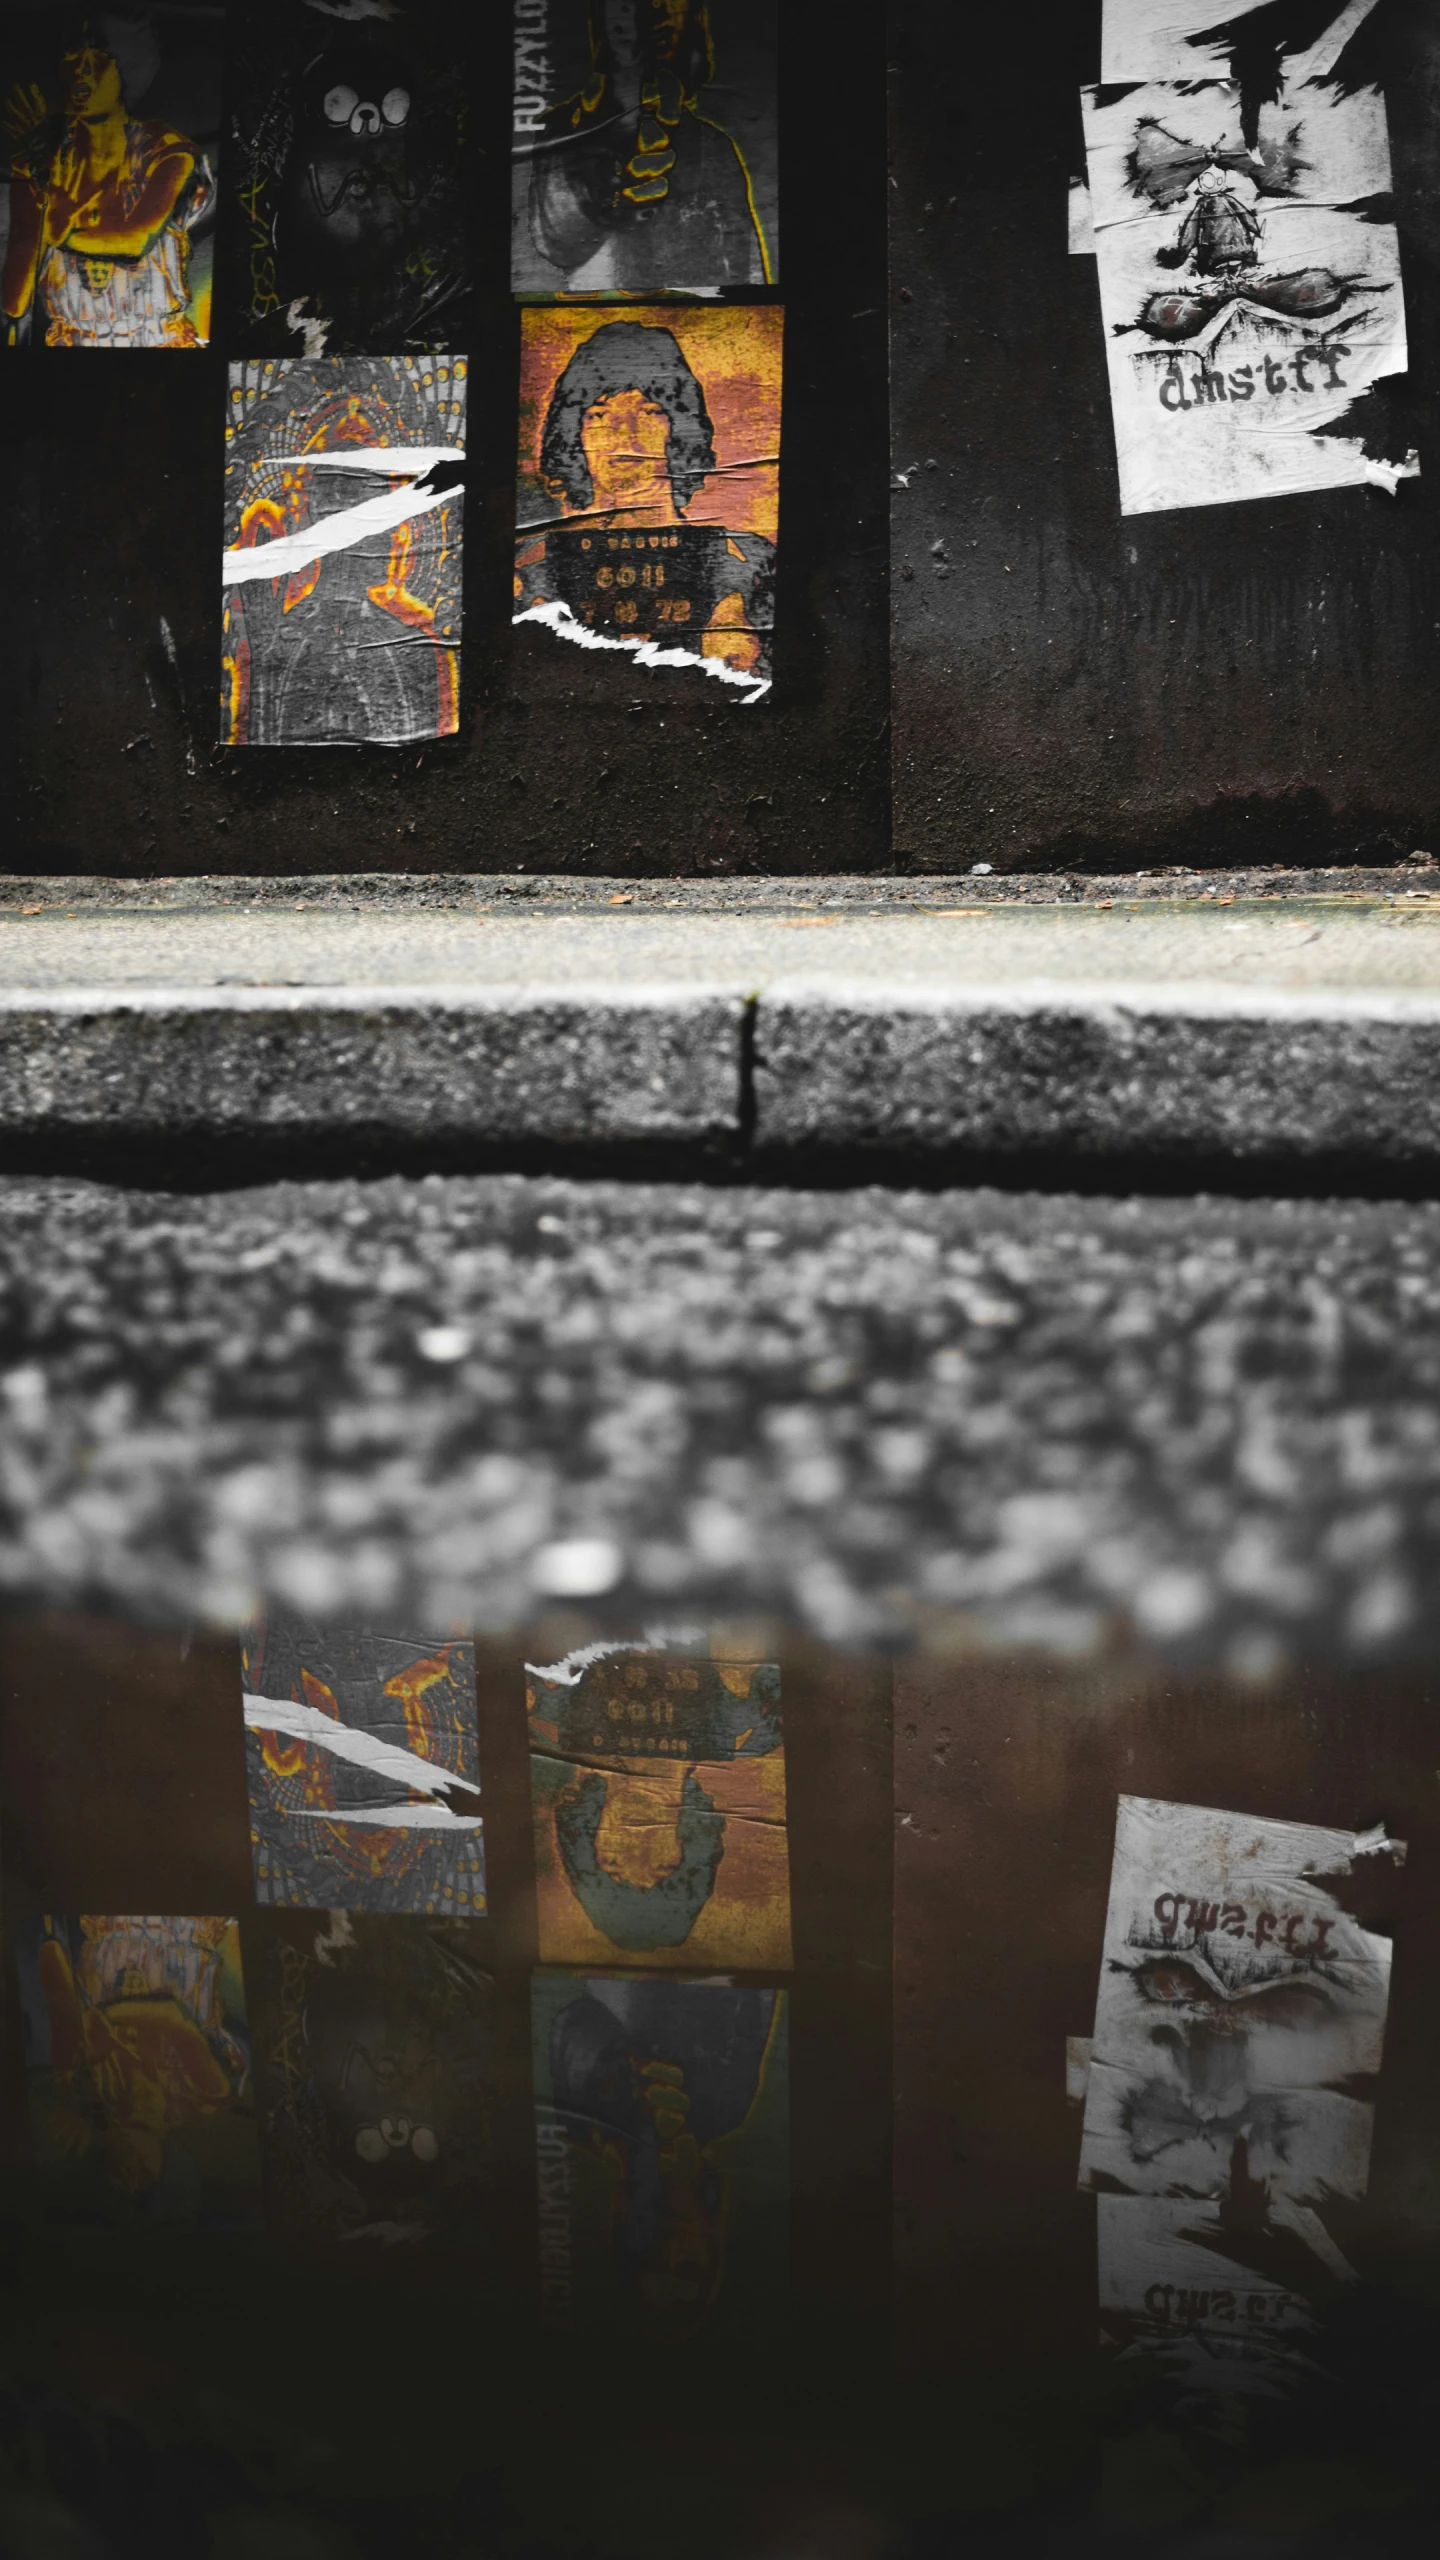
970,1419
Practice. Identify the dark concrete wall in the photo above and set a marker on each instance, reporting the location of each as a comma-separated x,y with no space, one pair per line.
110,468
1077,688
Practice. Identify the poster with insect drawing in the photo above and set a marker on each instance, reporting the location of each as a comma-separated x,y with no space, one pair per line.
1250,284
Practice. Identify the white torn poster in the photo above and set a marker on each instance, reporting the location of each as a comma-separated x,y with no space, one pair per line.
1249,285
1240,2015
1172,2287
1192,39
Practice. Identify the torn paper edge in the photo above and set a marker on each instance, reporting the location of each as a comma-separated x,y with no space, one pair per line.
369,1750
1078,2050
568,1670
1080,218
285,552
391,1817
558,617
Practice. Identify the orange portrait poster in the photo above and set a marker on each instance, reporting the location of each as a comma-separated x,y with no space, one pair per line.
649,483
658,1786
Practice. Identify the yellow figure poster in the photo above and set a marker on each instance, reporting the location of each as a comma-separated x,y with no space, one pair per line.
658,1786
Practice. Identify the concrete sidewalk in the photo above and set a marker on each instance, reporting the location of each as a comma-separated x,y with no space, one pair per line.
1258,1026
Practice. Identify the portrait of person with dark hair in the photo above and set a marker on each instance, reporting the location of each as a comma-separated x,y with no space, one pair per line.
617,433
105,205
627,186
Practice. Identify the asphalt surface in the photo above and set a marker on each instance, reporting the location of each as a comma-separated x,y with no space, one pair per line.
964,1419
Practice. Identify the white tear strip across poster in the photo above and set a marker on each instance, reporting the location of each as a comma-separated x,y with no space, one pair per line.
1249,285
1240,2006
1190,39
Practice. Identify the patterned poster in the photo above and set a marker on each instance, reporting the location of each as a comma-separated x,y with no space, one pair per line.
363,1765
1240,2017
347,128
110,127
649,484
374,2082
137,2061
341,570
663,2155
1249,283
658,1783
644,146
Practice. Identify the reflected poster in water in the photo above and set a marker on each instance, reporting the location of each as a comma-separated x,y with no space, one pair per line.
373,2076
662,2149
658,1784
363,1768
137,2063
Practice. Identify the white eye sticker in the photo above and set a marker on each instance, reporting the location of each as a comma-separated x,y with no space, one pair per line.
340,103
370,2142
395,105
424,2144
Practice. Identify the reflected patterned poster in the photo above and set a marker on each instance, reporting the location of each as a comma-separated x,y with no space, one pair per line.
342,562
110,129
363,1767
137,2059
663,2162
644,147
649,485
347,125
373,2075
658,1783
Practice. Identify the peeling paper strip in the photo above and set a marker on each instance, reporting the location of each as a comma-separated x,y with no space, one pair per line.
369,1750
284,553
1247,301
1180,39
1080,220
1239,2004
395,1817
559,618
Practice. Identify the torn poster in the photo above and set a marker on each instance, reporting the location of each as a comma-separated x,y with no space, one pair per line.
347,127
662,2150
1177,2289
341,570
374,2083
111,130
363,1763
644,146
137,2063
1249,284
1241,2012
1196,40
658,1783
649,493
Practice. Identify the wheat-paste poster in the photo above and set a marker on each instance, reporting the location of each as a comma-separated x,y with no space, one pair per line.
644,146
341,571
363,1767
110,127
348,125
649,485
1249,284
658,1783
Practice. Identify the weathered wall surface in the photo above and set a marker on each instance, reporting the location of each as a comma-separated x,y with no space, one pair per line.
110,653
1073,687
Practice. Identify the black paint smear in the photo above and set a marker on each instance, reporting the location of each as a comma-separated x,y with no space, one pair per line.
1258,43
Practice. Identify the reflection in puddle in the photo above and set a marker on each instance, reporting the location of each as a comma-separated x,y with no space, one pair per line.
609,2202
